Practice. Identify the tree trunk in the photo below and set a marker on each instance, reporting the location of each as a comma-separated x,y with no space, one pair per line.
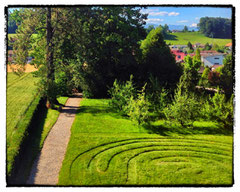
51,99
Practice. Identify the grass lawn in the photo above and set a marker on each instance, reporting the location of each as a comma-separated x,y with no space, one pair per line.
108,149
22,101
181,38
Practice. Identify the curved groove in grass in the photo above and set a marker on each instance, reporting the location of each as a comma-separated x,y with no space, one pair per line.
134,142
147,151
109,161
115,142
101,145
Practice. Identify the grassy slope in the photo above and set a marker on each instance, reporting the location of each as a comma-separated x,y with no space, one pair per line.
181,38
107,149
21,104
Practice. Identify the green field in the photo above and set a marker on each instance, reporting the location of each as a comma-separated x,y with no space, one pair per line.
107,149
22,100
182,38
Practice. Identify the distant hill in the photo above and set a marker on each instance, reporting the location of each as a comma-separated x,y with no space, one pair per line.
182,38
180,27
175,27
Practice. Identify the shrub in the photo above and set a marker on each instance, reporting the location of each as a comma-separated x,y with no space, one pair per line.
219,110
121,94
157,95
204,78
214,78
190,76
139,108
184,109
63,84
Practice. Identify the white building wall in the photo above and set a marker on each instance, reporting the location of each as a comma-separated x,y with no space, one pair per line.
212,60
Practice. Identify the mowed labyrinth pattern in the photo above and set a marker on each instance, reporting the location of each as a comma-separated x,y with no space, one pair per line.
157,161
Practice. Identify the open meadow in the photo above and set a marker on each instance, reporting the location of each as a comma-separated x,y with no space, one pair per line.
182,38
108,149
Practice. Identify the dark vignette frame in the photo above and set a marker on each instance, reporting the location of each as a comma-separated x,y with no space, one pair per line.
136,5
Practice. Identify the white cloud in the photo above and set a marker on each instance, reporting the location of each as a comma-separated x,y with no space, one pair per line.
193,25
196,18
144,11
173,14
162,13
154,20
182,21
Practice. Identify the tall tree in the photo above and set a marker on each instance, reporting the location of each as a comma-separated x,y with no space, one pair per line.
105,50
150,28
49,57
198,55
165,29
109,46
14,19
158,61
185,29
216,27
35,37
190,45
227,76
207,46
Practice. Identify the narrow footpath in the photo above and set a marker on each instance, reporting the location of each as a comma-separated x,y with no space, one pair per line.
47,165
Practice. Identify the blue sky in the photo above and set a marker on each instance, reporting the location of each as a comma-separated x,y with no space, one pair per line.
188,16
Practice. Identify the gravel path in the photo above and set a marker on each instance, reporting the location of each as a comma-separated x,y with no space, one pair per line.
47,165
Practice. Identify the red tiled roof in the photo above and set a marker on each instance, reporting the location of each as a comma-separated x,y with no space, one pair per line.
228,45
210,53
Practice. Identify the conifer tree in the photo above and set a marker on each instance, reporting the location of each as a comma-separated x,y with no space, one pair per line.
158,61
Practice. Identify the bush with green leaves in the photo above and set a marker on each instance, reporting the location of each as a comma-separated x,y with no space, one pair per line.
204,78
217,109
64,85
139,108
121,94
227,77
190,76
185,108
157,95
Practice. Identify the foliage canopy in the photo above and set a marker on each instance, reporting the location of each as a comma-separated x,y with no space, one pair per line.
216,27
158,61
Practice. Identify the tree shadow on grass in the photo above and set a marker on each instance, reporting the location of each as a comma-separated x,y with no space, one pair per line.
165,129
29,147
94,110
170,37
99,110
